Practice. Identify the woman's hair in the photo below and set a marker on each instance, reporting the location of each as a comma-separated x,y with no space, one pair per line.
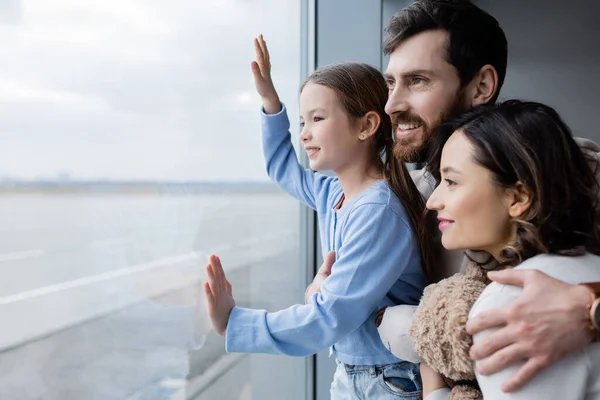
361,88
529,143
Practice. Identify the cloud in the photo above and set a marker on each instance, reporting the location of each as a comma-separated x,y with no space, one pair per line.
141,89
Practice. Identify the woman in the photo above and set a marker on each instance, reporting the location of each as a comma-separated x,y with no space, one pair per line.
513,183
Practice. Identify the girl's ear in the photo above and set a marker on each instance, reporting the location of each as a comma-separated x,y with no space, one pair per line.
369,124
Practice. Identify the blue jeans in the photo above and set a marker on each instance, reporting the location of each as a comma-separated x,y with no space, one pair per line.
373,382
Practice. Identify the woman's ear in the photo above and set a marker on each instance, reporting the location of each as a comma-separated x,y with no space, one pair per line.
369,124
519,200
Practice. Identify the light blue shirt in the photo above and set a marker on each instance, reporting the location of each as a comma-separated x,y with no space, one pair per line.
377,264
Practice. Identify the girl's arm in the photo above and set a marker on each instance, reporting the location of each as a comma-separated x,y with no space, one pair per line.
281,161
377,247
283,166
434,386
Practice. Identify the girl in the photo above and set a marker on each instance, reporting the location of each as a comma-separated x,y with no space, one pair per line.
368,214
514,184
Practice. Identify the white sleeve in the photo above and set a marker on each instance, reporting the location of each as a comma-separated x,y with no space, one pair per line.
393,332
566,379
440,394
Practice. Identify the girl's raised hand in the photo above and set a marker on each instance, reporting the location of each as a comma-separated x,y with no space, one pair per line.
261,69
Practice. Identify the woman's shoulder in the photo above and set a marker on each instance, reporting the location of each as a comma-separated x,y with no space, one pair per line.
569,269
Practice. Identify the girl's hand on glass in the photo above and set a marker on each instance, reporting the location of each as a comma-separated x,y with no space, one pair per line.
219,295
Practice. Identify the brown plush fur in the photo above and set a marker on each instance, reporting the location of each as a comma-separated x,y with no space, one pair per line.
438,328
464,392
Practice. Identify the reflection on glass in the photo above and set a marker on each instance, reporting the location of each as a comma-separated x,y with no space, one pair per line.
129,151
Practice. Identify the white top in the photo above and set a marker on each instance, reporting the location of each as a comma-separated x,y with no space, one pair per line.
575,377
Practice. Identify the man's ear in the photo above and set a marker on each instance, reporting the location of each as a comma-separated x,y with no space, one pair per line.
483,86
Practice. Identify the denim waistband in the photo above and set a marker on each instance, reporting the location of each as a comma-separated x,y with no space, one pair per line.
371,369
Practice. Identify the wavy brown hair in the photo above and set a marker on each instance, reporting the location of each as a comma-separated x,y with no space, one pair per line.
361,88
528,143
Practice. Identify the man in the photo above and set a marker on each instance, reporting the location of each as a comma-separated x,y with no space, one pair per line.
446,57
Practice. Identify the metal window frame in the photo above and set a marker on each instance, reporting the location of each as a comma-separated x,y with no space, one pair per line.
308,217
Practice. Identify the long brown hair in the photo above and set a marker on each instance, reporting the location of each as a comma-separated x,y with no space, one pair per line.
528,143
361,88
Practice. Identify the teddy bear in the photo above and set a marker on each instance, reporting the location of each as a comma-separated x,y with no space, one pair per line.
434,331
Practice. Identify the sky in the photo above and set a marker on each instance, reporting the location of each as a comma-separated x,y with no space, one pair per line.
140,89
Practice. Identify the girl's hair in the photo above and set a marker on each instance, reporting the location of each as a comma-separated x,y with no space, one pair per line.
361,88
528,142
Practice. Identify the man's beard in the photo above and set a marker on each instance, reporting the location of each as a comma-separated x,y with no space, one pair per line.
413,149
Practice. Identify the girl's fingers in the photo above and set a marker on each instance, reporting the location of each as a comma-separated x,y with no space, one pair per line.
255,70
209,295
213,280
218,268
210,274
260,58
265,51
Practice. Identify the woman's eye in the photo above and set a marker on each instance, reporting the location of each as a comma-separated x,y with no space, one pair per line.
450,182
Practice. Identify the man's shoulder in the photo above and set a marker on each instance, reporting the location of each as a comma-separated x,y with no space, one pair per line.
424,181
